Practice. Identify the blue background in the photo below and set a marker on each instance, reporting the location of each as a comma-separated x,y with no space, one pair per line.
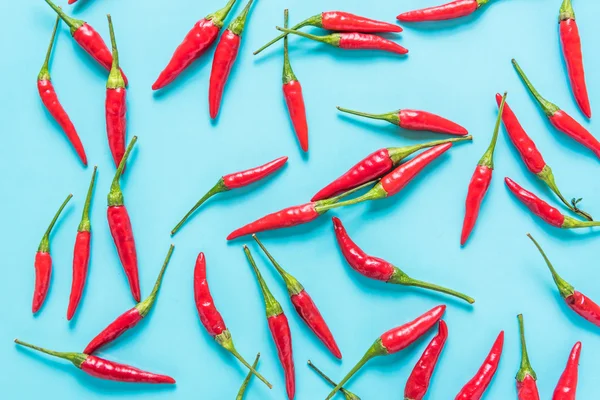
453,69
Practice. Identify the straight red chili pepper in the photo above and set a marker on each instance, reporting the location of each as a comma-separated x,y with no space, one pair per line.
526,377
234,181
348,395
566,389
560,119
81,252
116,104
305,306
244,387
210,317
195,43
43,263
452,10
120,227
480,182
476,387
72,1
129,318
104,369
395,340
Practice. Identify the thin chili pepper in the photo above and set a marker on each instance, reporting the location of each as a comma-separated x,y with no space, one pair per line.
577,301
116,104
379,269
414,120
452,10
242,391
129,318
280,329
72,1
104,369
347,394
81,252
43,263
395,340
571,46
476,387
224,58
480,182
210,317
120,227
532,157
340,21
544,210
52,104
560,119
353,41
526,377
305,306
194,45
566,389
234,181
87,38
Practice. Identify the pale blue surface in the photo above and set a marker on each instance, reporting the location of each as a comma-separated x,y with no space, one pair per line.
453,69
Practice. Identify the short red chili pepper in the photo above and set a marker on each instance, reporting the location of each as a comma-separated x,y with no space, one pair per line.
129,318
395,340
305,306
480,182
348,395
72,1
50,100
81,252
120,227
452,10
104,369
571,46
244,387
88,39
566,389
476,387
526,377
560,119
43,263
224,58
194,45
280,329
211,318
234,181
116,104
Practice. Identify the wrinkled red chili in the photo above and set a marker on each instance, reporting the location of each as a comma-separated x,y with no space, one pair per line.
452,10
526,377
116,104
347,394
566,389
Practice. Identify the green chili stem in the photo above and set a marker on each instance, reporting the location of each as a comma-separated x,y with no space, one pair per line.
548,107
566,11
115,196
488,157
332,39
145,306
45,71
547,176
397,154
242,391
218,188
441,289
237,25
44,246
288,72
293,286
392,117
315,20
73,23
272,306
115,77
564,287
218,17
348,394
526,368
85,225
76,358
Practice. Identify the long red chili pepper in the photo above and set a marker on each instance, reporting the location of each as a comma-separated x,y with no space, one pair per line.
116,104
305,306
395,340
571,46
87,38
195,43
566,389
347,394
452,10
526,377
560,119
81,252
50,100
120,227
210,317
43,263
244,387
129,318
104,369
224,58
280,329
476,387
480,182
234,181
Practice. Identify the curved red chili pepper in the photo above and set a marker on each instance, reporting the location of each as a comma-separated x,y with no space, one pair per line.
72,1
526,377
347,394
452,10
104,369
566,389
395,340
43,263
476,387
116,104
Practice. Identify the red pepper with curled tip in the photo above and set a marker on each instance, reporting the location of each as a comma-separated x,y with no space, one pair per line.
566,389
116,104
347,394
526,377
452,10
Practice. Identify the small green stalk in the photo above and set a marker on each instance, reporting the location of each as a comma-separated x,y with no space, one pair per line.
115,78
548,107
44,246
398,154
376,193
312,21
566,11
332,40
237,25
575,223
563,286
85,225
242,392
145,306
487,160
482,2
288,73
293,286
219,16
218,188
73,23
44,74
526,368
272,306
391,117
76,358
347,394
547,176
115,196
401,278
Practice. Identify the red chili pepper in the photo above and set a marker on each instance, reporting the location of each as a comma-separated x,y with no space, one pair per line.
88,39
120,227
50,100
305,306
195,43
234,181
225,56
395,340
129,318
452,10
476,387
571,46
242,391
81,253
560,119
72,1
211,318
480,182
104,369
566,388
526,377
43,263
347,394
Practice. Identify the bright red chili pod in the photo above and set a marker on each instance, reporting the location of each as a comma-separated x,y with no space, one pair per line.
347,394
526,377
566,389
452,10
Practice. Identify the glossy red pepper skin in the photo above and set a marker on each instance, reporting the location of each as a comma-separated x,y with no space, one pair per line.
452,10
527,389
566,389
282,336
537,206
416,120
207,311
116,122
119,326
249,176
294,99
